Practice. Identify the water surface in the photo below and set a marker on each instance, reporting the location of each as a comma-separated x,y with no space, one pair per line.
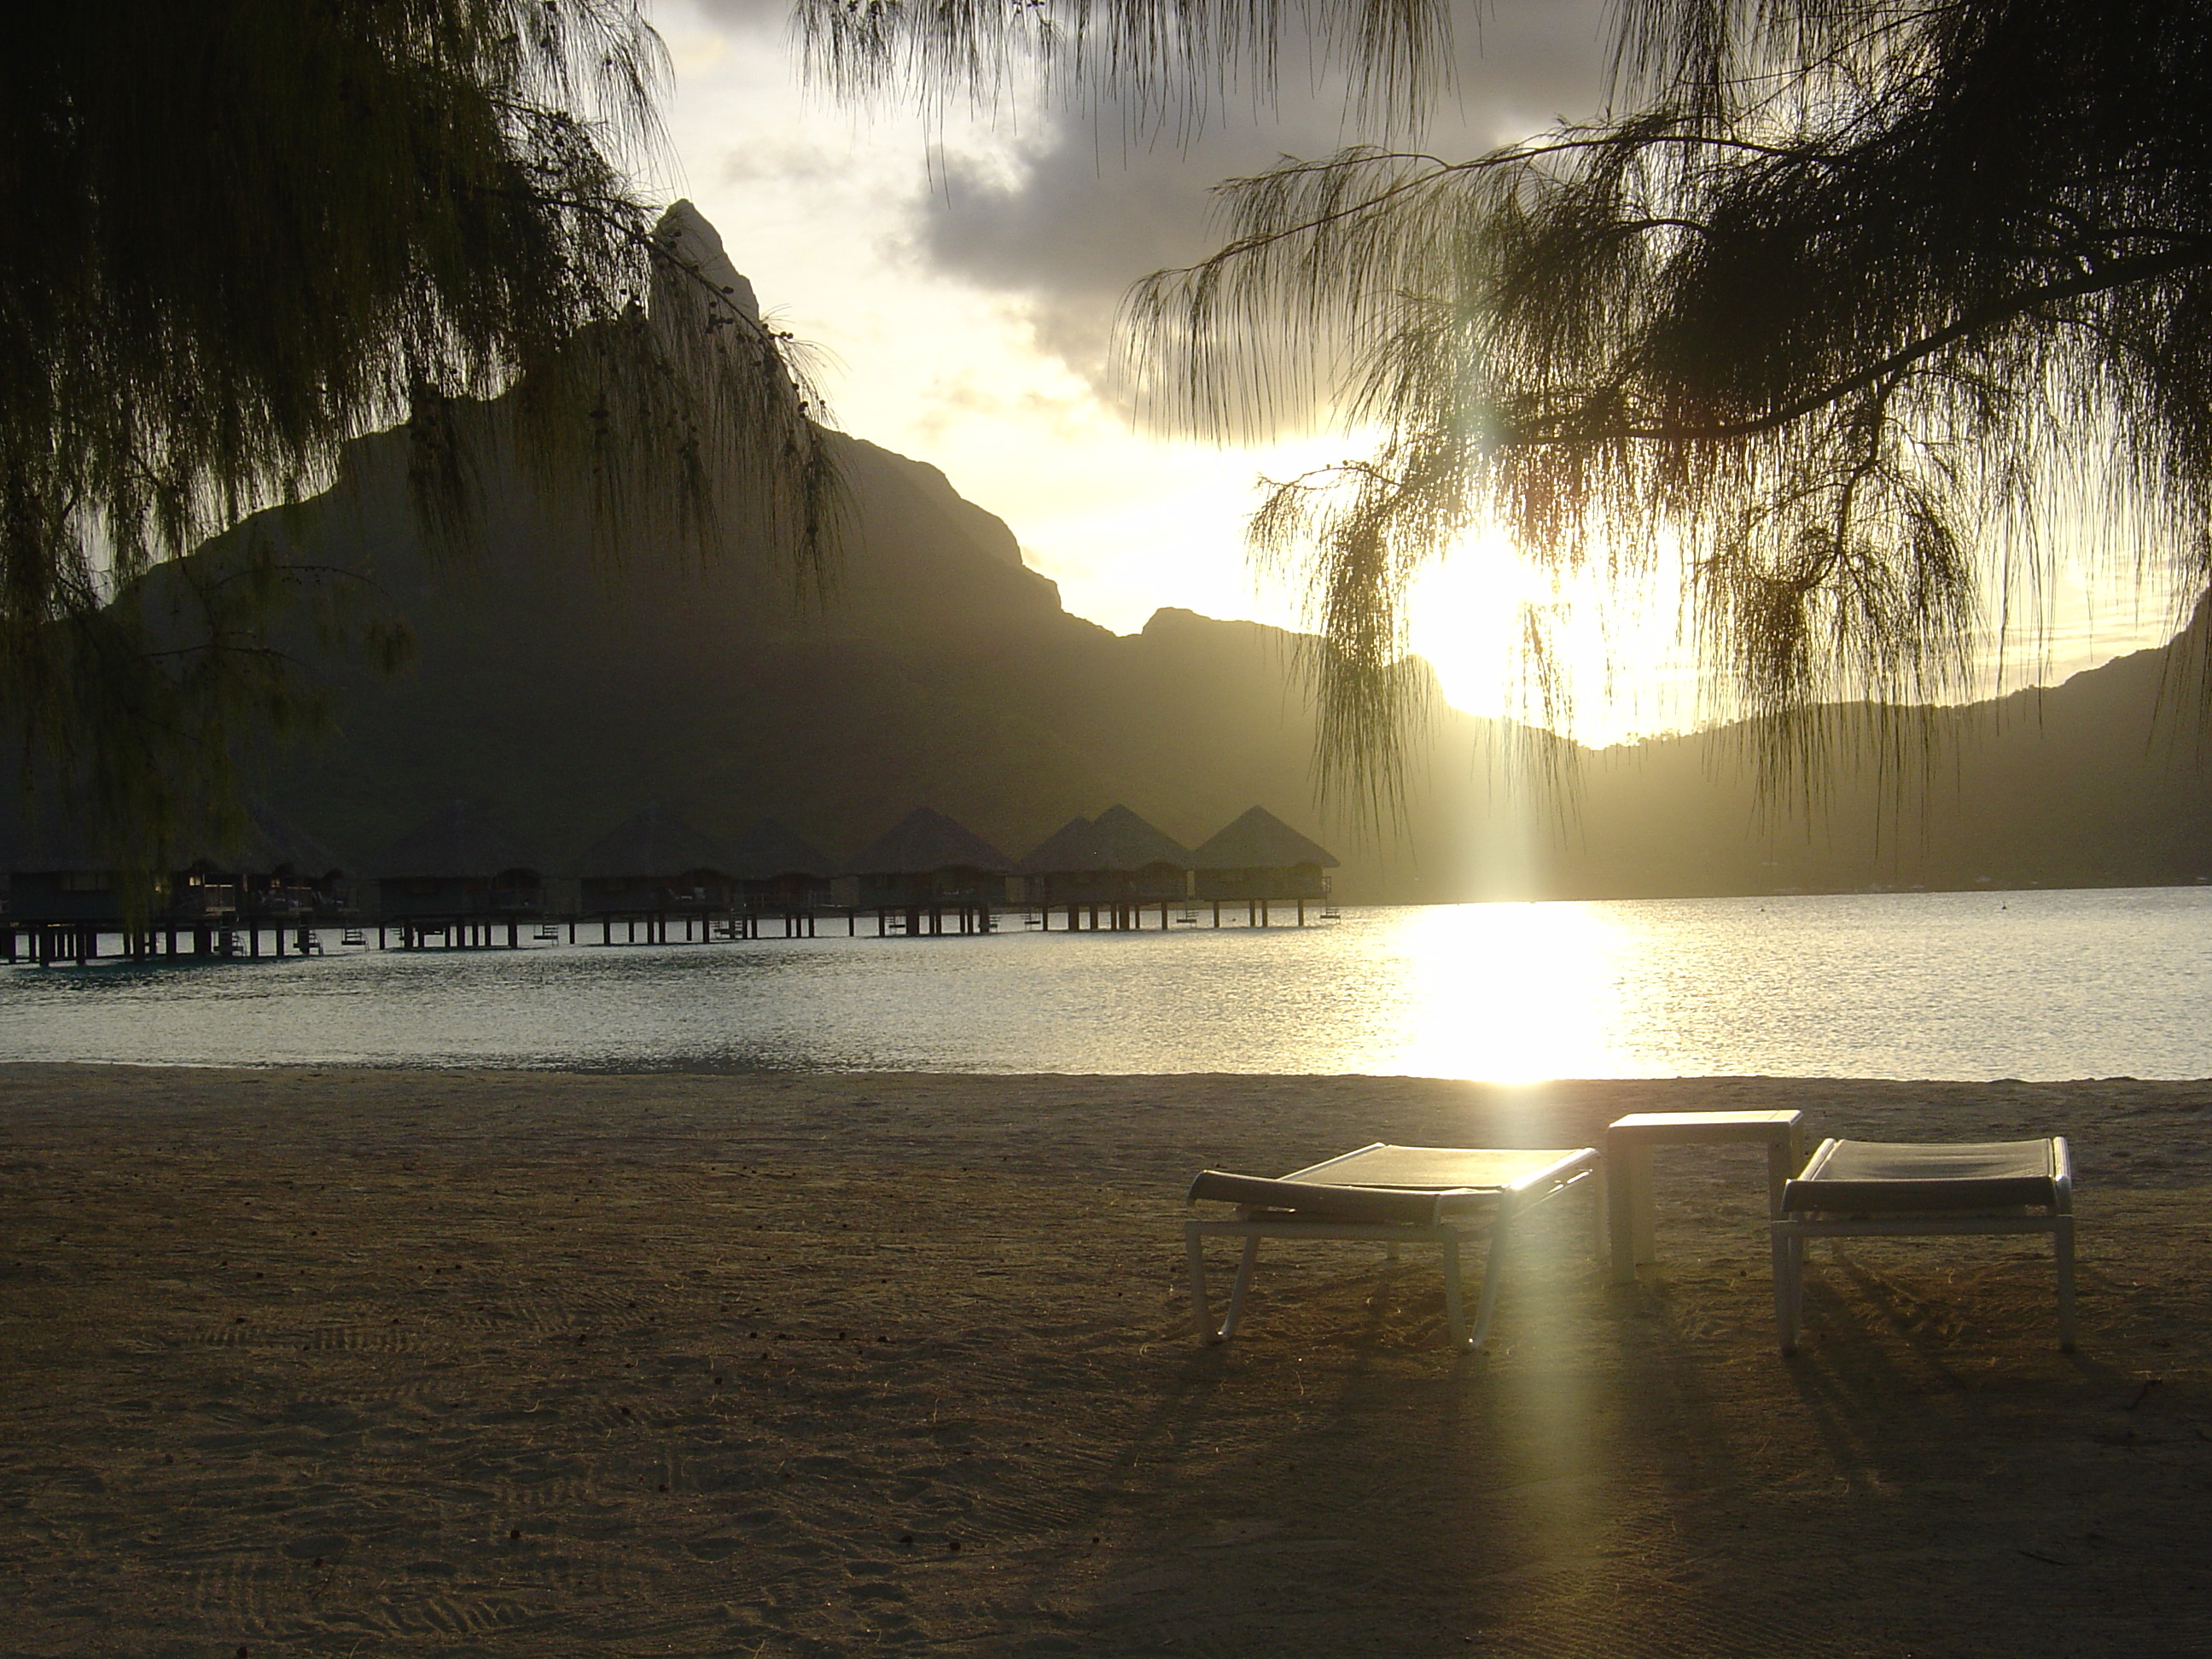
2047,985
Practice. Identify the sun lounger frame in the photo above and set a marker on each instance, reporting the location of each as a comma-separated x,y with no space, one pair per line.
1298,1207
2042,1205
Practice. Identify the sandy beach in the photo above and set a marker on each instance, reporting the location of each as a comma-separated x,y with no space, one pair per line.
356,1362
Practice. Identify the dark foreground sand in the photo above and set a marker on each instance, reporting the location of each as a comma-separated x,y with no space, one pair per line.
394,1363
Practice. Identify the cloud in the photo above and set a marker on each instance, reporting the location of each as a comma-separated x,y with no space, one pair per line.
1063,217
761,16
783,162
951,401
1065,234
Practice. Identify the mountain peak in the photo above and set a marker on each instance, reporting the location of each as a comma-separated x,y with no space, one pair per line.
687,234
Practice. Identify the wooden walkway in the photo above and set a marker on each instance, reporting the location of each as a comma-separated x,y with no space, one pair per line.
46,943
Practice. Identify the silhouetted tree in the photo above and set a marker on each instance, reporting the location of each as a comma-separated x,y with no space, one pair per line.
241,233
1861,309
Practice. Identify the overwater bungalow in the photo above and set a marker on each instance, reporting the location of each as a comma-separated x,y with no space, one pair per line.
1067,858
66,893
461,877
1114,866
63,894
925,867
1259,860
651,867
782,874
283,874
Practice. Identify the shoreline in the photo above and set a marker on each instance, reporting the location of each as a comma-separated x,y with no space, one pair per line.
704,1070
316,1360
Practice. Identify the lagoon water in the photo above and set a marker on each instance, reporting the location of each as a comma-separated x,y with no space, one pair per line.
2041,985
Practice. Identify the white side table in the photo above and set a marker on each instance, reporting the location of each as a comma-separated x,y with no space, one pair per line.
1628,1144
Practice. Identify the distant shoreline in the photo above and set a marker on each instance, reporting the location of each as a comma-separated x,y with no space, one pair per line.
705,1072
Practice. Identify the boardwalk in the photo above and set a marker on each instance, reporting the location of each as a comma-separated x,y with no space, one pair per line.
462,881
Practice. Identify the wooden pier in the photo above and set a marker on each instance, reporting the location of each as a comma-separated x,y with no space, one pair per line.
46,944
459,883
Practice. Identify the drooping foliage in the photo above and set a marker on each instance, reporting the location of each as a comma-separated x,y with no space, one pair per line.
242,233
1863,309
1164,62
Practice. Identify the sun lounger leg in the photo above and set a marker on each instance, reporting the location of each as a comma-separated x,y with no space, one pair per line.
1455,1306
1788,1284
1201,1316
1499,1235
1244,1282
1783,1159
2062,1242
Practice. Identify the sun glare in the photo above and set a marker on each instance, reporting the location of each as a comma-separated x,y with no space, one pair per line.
1621,664
1512,992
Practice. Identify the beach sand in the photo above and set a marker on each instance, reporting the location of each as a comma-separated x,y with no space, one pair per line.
351,1362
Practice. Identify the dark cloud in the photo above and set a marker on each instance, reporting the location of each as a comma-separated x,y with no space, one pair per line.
1071,228
1067,216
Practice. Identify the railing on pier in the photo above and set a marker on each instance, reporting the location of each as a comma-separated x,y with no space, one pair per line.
229,935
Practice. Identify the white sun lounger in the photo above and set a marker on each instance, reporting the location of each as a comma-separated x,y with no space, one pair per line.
1882,1189
1395,1195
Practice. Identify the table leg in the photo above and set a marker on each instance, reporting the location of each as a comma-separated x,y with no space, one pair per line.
1628,1207
1640,1187
1788,1284
2061,1244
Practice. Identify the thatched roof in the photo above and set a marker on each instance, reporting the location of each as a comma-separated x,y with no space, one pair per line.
1259,841
273,843
458,842
1130,843
768,849
1074,845
1117,839
653,843
923,841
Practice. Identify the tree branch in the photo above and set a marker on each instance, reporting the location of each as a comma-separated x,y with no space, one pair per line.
2120,274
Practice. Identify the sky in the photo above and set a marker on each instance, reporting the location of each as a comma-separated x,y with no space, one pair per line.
960,281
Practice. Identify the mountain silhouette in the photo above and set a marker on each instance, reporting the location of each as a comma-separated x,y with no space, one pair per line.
568,691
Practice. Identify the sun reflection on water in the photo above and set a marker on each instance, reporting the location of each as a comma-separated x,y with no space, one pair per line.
1512,993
